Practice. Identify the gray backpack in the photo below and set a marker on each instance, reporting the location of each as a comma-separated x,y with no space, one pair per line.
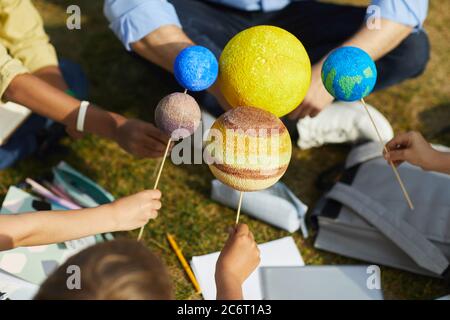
365,216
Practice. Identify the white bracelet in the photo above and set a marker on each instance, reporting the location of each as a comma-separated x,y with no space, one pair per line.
82,115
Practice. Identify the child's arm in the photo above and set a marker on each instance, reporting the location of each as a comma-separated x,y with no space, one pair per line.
135,136
238,259
45,227
25,40
413,148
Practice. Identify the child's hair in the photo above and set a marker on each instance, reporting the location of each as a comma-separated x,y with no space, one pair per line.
114,270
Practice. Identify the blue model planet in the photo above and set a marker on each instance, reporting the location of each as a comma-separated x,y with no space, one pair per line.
349,74
196,68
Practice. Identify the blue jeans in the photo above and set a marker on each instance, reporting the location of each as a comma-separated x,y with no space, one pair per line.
25,141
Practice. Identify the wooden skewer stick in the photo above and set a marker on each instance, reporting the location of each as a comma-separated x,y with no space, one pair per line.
239,208
394,168
157,180
162,164
185,91
156,169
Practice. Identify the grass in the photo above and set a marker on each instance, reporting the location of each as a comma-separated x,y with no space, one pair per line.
122,84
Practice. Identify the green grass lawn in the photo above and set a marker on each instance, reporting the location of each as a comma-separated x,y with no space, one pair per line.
120,83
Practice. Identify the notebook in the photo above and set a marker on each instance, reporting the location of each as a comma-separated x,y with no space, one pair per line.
34,264
12,115
318,283
282,252
12,288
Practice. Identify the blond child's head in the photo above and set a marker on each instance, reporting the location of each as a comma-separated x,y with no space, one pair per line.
114,270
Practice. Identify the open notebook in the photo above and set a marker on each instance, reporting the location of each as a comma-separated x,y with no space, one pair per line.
12,115
282,252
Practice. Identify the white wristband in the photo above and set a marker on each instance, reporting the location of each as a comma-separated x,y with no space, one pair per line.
82,115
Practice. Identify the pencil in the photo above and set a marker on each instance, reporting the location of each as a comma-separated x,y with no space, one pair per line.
184,263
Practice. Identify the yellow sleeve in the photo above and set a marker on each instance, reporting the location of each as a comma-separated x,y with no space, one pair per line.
22,33
9,69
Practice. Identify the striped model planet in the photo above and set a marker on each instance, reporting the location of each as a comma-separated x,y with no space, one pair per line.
249,149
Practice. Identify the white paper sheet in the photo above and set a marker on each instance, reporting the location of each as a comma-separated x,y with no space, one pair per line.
12,116
13,288
281,252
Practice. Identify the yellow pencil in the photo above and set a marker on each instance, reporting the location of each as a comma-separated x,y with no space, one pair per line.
184,263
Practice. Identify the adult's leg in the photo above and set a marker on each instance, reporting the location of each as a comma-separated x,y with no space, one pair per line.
407,61
319,26
323,26
75,78
210,25
22,143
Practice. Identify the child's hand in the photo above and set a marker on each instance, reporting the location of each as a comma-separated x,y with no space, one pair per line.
141,139
238,259
413,148
135,211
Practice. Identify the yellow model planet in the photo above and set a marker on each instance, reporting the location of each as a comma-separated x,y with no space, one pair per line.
249,149
265,67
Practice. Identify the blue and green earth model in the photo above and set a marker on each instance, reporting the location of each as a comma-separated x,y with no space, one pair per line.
349,74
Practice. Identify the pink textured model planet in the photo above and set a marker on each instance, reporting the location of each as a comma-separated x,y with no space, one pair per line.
178,115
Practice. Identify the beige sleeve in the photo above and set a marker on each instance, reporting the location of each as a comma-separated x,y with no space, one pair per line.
22,33
9,69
